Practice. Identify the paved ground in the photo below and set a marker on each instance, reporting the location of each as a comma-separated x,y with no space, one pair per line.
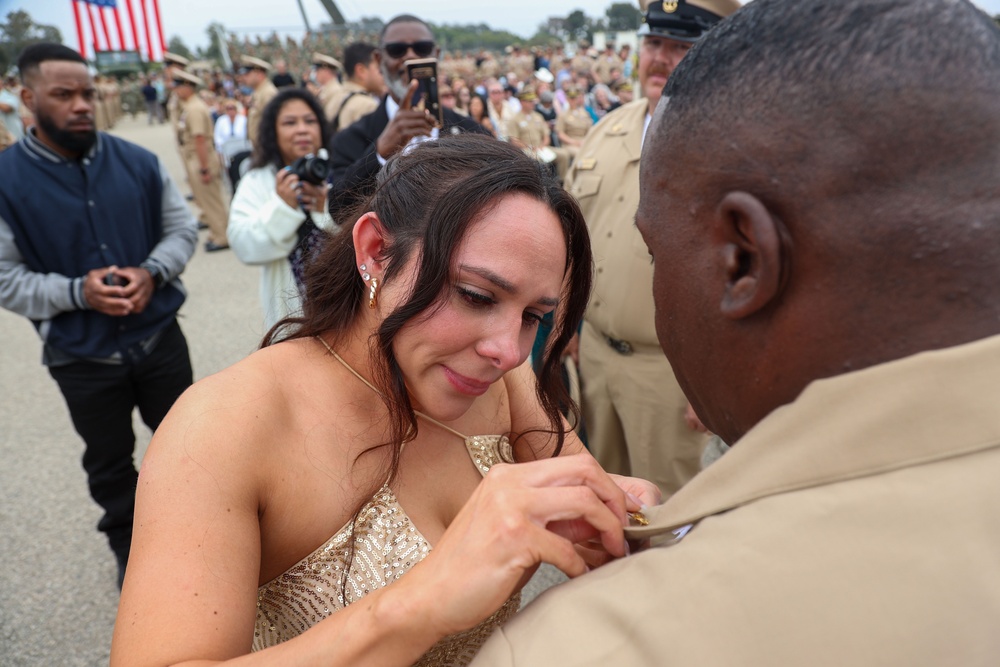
57,590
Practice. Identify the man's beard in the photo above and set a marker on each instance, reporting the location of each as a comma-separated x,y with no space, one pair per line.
73,141
395,85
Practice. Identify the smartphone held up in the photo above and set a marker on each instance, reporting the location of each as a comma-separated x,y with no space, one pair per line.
424,72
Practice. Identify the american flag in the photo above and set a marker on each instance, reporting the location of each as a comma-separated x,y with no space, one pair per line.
119,25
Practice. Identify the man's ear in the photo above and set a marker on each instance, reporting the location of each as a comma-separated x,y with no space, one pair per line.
369,243
752,254
28,98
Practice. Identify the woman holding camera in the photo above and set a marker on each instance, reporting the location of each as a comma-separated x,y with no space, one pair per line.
375,485
276,210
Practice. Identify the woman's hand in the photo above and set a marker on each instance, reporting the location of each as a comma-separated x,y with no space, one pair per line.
288,187
313,197
639,493
521,515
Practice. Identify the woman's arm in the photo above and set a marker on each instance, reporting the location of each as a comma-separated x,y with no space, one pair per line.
262,226
190,590
190,594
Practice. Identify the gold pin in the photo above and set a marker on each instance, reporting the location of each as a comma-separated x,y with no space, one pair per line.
639,518
670,6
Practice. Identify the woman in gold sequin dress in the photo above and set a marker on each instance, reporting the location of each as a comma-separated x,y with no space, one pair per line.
326,500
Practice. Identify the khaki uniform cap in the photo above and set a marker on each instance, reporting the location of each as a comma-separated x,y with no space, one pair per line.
187,77
321,60
257,63
174,59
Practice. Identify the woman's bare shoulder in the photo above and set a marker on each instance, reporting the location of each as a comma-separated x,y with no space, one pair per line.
242,408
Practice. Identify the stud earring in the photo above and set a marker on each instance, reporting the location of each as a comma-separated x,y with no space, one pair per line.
366,276
373,294
363,267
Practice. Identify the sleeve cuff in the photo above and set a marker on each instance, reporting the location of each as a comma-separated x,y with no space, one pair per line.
76,294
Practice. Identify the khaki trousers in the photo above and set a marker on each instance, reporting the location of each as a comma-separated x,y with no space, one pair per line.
634,410
208,197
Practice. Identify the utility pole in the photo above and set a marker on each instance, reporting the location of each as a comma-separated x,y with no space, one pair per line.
305,19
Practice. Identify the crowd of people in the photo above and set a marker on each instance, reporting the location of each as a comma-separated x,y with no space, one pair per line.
787,242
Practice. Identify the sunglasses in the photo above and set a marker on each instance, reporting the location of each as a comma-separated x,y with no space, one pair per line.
421,49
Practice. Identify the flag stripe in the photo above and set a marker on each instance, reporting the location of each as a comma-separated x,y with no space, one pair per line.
147,39
79,28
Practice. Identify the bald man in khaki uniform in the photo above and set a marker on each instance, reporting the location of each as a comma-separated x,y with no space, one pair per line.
853,522
195,136
633,409
255,73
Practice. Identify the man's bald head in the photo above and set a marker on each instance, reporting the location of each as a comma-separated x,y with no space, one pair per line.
830,199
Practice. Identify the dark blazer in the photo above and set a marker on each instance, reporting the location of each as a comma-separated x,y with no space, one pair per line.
353,158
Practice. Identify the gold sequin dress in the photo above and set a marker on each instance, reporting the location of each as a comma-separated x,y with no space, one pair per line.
386,545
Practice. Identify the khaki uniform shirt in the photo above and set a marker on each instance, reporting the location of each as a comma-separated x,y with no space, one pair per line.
350,104
854,526
174,110
574,123
603,66
329,97
605,180
263,94
195,120
528,128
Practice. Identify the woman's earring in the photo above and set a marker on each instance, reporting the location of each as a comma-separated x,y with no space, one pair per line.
373,294
364,272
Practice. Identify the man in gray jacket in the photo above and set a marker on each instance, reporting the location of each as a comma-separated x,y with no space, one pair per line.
93,235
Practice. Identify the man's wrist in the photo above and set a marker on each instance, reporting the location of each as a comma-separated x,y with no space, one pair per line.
159,280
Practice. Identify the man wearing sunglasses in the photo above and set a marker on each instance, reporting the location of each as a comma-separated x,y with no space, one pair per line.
359,151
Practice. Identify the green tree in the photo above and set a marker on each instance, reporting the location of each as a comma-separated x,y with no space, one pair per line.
623,16
214,50
576,25
177,45
17,32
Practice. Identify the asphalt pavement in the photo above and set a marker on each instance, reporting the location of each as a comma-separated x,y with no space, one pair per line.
58,597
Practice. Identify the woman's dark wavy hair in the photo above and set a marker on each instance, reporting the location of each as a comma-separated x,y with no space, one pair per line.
266,151
427,200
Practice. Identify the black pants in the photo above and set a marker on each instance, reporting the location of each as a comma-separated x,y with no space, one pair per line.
100,398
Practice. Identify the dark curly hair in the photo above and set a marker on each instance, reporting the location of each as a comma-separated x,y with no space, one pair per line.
266,151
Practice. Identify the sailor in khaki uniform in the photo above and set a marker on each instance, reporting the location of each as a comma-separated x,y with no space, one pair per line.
529,130
255,73
633,408
360,93
854,520
195,136
171,63
572,127
330,89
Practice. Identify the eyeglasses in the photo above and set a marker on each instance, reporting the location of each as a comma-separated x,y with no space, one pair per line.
421,49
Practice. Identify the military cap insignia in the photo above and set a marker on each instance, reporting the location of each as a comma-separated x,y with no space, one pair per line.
670,6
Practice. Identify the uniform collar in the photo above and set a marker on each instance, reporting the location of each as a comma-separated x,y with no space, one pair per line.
927,407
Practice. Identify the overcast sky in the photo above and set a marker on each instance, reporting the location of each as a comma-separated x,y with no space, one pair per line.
188,18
